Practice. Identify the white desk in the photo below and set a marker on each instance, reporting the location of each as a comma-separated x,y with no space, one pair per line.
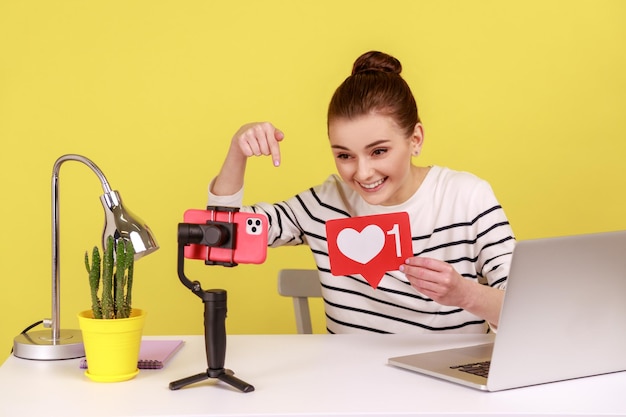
296,375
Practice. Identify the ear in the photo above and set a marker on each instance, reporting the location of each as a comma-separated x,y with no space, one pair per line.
417,139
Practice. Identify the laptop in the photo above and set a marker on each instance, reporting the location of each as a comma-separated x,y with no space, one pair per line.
563,317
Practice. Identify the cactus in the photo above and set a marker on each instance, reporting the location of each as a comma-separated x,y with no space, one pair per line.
117,267
94,281
107,281
130,266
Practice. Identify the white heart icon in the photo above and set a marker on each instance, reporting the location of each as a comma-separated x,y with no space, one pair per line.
361,247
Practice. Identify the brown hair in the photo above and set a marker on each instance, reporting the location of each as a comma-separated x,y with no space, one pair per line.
375,86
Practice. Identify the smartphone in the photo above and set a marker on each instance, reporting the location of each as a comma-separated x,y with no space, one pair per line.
250,237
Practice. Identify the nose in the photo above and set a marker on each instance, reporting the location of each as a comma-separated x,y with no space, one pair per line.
364,169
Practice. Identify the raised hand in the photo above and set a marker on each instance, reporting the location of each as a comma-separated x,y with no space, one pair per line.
252,139
257,139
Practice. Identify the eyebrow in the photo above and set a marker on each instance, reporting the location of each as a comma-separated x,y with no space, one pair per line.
371,145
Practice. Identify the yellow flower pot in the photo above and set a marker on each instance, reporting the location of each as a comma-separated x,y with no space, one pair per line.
112,346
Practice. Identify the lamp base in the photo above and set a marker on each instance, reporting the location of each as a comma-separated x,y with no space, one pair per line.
39,345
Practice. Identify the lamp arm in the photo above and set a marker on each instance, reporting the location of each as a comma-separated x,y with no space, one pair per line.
84,160
56,306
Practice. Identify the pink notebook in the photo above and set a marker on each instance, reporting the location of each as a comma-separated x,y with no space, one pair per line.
153,354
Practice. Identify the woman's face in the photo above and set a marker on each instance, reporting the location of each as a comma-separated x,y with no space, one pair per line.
373,156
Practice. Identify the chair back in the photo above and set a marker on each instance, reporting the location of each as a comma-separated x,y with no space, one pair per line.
300,284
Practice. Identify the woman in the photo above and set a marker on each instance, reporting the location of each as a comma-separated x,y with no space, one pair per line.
462,241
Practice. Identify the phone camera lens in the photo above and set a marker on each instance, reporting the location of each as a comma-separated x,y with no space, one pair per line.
254,226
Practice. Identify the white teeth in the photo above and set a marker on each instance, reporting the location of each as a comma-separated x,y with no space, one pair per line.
373,185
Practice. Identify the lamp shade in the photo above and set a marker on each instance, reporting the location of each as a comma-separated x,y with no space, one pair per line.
121,223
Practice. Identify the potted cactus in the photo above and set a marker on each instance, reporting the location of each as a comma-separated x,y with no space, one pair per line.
111,329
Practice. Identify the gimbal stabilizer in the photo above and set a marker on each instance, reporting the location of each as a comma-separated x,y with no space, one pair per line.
213,234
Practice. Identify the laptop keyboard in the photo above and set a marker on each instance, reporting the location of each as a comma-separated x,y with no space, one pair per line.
478,368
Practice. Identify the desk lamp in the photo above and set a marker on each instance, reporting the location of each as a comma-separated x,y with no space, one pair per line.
120,223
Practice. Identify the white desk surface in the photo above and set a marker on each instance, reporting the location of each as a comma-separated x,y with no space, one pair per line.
296,375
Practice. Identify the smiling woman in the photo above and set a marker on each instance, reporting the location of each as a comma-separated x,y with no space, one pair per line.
453,280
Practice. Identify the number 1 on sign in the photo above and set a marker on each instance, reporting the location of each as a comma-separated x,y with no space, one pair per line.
395,230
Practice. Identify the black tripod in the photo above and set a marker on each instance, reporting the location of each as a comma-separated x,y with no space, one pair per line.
210,234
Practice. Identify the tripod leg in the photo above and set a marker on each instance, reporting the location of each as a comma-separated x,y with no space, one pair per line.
236,382
189,380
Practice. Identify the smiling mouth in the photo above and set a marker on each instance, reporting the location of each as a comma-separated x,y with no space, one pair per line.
374,185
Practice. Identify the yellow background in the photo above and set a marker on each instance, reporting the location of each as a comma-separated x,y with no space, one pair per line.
530,95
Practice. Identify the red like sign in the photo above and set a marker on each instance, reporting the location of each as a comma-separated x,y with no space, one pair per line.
369,245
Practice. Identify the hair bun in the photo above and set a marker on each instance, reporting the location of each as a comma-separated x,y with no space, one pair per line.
376,61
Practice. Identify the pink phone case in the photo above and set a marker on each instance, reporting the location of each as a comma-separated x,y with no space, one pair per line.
250,239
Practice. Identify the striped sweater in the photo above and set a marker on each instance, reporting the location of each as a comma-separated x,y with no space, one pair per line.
454,217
